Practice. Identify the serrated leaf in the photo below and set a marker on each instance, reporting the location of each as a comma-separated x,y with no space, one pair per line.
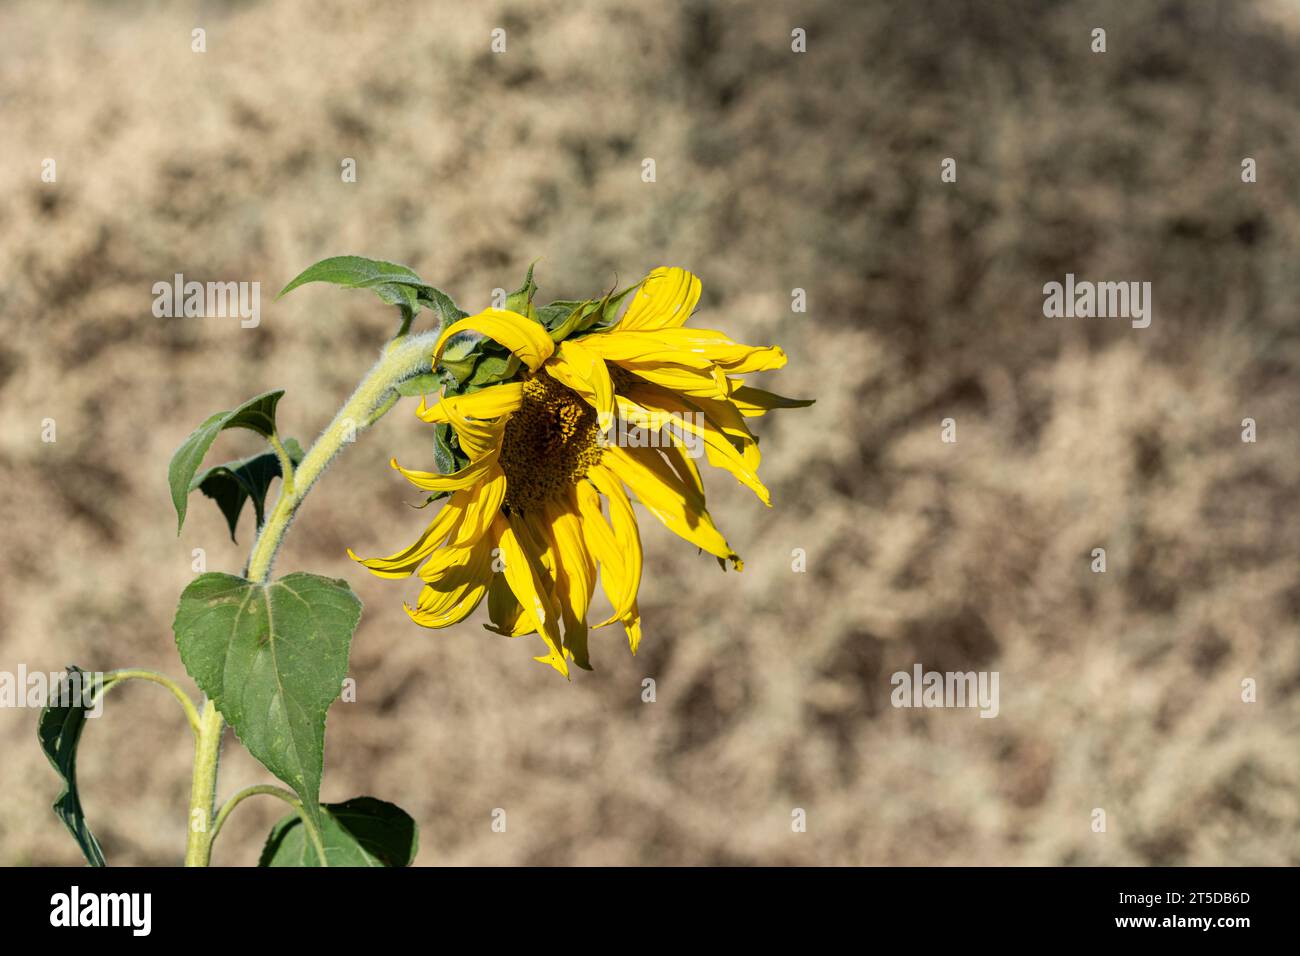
362,831
257,414
273,658
235,482
355,272
59,732
394,284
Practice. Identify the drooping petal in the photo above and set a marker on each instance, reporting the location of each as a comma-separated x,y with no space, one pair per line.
575,575
471,474
483,506
461,579
600,541
478,438
579,368
403,563
504,611
666,298
626,534
675,504
527,579
489,402
720,349
719,448
527,339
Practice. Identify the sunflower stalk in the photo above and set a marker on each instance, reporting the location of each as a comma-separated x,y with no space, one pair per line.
405,357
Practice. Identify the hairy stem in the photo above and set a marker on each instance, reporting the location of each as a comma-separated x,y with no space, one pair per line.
203,787
405,357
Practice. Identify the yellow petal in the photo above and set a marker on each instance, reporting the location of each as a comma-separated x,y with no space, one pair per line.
626,534
665,299
471,474
736,357
578,367
600,541
710,382
575,576
485,500
459,585
527,339
477,437
490,402
677,505
719,448
504,610
402,563
526,576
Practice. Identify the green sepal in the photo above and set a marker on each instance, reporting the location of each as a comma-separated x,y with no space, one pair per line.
447,456
521,300
426,384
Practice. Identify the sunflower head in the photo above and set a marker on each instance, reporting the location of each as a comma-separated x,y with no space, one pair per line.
548,422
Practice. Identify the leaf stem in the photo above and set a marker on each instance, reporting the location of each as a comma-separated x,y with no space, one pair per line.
286,463
282,794
191,713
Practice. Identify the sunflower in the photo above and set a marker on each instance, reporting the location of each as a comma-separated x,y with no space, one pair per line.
540,506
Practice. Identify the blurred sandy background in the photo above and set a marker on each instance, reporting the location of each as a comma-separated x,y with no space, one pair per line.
775,171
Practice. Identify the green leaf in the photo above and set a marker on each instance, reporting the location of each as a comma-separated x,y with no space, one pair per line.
441,303
234,482
273,657
356,272
256,414
360,832
394,284
59,732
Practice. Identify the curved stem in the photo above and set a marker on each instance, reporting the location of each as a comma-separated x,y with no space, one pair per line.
403,358
286,463
282,794
406,358
191,713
